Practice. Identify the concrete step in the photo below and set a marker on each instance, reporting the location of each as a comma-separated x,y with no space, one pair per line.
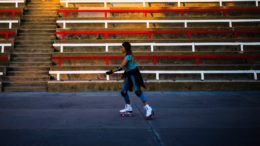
28,26
23,78
25,30
31,68
32,42
27,73
32,51
34,45
34,37
31,54
39,12
30,59
28,64
25,88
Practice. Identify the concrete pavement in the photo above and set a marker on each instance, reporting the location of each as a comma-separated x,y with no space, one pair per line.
92,119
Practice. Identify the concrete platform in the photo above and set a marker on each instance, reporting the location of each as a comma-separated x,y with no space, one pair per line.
91,118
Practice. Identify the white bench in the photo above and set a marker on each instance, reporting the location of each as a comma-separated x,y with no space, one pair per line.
105,2
147,22
157,73
13,1
10,22
3,45
152,45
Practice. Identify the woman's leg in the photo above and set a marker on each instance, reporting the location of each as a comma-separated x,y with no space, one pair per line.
138,90
124,91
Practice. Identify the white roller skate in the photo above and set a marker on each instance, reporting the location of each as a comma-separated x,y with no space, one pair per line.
127,111
149,112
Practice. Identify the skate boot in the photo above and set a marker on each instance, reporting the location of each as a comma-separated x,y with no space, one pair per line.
127,111
149,112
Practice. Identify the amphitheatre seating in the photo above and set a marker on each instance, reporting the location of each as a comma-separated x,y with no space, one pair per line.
193,45
148,22
13,12
177,45
4,46
202,73
16,2
181,11
150,34
143,2
5,34
162,59
9,23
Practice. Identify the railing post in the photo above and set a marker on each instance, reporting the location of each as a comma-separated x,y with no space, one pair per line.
106,25
64,25
61,48
2,49
185,24
106,47
242,47
107,76
143,3
105,4
193,47
230,23
179,3
157,76
220,3
16,4
202,76
58,76
147,25
10,25
255,76
67,4
152,47
256,3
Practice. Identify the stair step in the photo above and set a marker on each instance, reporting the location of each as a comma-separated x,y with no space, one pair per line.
27,73
23,78
30,59
50,37
31,54
41,34
34,45
32,51
25,30
31,68
52,27
27,64
20,88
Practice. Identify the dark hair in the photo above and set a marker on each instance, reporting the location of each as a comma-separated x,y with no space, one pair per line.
127,47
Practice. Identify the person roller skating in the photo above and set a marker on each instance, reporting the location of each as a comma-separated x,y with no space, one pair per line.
132,79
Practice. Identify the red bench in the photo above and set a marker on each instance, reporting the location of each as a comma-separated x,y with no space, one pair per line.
14,12
154,58
149,33
225,11
7,33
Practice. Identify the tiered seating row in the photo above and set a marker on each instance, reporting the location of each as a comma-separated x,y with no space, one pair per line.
7,33
150,33
105,2
3,45
10,22
224,11
13,12
154,58
158,73
152,45
147,22
16,2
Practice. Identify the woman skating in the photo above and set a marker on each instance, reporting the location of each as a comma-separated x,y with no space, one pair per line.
132,79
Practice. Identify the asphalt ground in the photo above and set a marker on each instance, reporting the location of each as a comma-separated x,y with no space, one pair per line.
92,119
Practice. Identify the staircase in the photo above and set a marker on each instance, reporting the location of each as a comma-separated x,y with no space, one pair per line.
30,58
